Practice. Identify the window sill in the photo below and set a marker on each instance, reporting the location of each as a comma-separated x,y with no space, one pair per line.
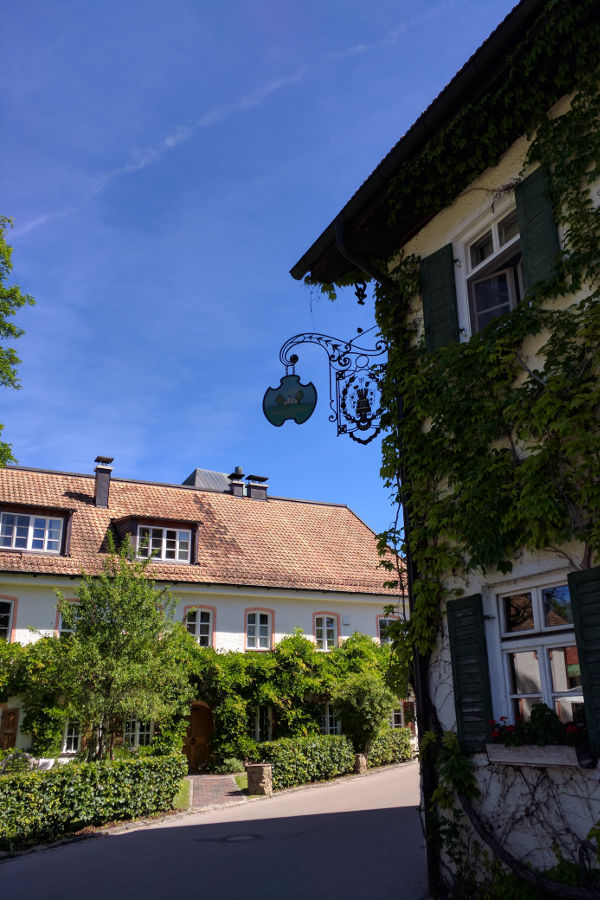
533,755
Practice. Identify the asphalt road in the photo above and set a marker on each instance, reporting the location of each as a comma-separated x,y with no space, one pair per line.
357,839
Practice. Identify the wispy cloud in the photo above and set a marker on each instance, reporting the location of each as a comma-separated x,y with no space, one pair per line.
141,157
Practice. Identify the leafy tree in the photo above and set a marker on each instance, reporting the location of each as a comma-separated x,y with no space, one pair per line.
126,656
363,702
11,299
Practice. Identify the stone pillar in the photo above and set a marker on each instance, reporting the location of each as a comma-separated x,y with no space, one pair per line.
360,764
260,778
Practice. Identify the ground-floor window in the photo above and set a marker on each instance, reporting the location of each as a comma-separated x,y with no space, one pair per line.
137,733
403,716
71,737
261,723
330,724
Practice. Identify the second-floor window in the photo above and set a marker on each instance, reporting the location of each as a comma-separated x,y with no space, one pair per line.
495,273
325,632
199,623
6,610
169,544
258,630
38,533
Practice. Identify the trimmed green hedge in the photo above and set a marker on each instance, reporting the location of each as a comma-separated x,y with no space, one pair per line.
305,759
43,805
391,746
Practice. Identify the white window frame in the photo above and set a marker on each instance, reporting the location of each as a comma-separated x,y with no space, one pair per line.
137,733
323,641
384,622
261,724
469,232
199,623
9,621
329,724
540,640
25,531
154,543
255,638
71,742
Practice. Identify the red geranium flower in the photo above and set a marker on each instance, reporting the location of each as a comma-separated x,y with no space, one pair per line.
572,728
495,734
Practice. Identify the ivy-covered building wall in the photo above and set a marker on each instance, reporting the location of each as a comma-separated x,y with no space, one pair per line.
483,249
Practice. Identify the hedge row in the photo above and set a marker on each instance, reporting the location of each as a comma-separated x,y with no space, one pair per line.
391,746
43,805
302,760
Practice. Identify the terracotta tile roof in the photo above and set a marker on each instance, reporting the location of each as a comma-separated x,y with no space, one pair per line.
241,541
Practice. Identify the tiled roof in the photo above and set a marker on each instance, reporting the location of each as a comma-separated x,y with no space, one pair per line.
241,541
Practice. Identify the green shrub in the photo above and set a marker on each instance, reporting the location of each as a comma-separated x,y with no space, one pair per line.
43,805
306,759
390,746
363,702
229,767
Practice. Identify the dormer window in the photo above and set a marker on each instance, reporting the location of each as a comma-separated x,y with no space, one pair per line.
168,544
40,534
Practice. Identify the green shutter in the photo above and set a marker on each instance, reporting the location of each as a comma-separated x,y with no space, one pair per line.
539,235
439,298
470,673
584,588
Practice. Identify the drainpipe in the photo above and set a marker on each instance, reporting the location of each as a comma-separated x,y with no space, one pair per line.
420,662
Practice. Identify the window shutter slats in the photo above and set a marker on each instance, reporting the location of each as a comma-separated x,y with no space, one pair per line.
470,672
584,588
439,298
539,235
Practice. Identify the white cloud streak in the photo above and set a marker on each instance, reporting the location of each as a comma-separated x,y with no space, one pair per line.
142,157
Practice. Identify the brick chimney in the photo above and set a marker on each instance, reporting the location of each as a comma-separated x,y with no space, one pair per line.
103,470
236,481
256,487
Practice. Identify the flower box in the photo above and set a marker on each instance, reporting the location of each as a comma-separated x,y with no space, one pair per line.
534,755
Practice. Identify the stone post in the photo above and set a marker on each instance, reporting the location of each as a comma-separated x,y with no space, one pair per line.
260,778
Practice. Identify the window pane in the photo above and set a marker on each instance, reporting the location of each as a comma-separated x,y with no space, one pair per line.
492,294
190,621
522,708
570,709
565,669
525,672
508,228
518,612
557,606
481,249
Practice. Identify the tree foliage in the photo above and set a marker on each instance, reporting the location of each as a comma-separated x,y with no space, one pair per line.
11,300
126,657
363,703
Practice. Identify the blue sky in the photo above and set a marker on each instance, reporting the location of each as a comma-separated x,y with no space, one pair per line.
165,165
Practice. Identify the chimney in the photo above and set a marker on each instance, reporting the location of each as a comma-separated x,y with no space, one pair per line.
237,484
103,470
257,487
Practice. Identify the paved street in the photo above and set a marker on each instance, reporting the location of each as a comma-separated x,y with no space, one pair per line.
358,839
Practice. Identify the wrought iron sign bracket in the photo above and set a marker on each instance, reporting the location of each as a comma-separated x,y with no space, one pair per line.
354,396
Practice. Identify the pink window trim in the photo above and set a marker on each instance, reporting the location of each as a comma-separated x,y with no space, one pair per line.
331,615
211,609
260,609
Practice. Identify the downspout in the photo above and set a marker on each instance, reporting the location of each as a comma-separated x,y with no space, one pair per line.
420,662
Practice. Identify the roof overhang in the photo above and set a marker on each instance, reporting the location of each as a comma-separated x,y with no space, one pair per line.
370,229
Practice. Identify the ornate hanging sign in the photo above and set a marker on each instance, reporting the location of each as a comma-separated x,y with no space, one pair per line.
291,400
354,397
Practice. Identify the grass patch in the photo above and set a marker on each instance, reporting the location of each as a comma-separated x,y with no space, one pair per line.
182,798
242,782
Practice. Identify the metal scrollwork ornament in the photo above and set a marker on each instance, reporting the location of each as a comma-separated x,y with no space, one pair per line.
354,396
